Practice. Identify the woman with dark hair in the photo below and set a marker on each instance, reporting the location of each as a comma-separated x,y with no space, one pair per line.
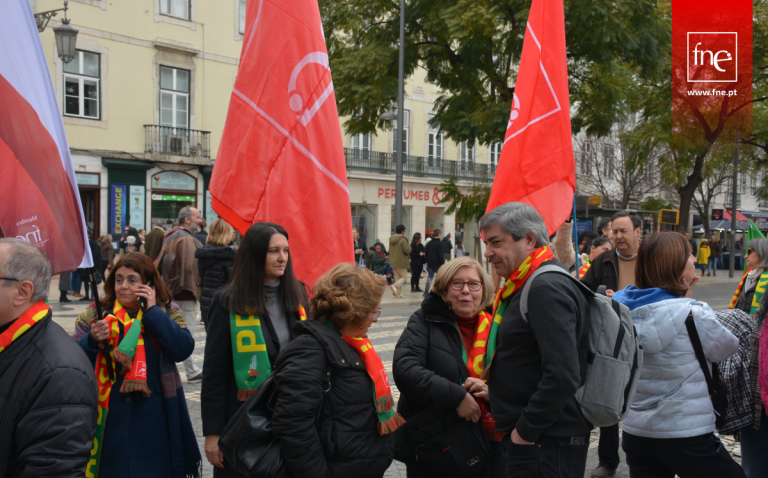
352,434
261,302
417,261
148,431
670,425
598,246
747,297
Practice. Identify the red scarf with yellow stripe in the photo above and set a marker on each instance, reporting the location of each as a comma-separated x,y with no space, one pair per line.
28,319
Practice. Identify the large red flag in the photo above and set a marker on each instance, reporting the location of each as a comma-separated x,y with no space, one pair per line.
281,157
38,192
536,164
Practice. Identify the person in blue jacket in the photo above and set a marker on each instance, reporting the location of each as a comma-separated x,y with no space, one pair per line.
147,431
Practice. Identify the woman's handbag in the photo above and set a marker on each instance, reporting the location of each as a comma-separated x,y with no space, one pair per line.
247,441
717,391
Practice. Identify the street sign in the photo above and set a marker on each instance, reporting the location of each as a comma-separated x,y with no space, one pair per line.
594,200
717,214
669,216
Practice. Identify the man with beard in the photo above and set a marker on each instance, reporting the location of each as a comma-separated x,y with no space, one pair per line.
614,269
178,266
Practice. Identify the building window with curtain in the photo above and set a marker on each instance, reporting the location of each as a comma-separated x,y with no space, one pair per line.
242,16
608,159
467,155
175,8
361,146
82,77
406,122
495,155
434,144
174,97
586,159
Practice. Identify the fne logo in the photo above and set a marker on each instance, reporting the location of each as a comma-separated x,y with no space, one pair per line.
712,57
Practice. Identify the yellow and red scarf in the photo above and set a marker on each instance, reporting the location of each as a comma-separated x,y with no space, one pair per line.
583,270
28,319
474,361
389,420
762,284
128,352
500,303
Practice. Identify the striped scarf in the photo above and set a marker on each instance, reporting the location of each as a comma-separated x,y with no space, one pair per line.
762,284
583,270
28,319
500,303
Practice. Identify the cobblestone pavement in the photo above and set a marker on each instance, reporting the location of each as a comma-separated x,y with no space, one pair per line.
717,291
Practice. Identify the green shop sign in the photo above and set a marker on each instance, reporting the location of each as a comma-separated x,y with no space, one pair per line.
171,197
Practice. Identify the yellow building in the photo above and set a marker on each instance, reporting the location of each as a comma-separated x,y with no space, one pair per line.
144,105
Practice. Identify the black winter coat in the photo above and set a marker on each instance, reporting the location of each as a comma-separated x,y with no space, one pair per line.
347,443
96,253
417,260
48,405
433,253
603,271
219,391
215,264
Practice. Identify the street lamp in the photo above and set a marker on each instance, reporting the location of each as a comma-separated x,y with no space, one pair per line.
66,36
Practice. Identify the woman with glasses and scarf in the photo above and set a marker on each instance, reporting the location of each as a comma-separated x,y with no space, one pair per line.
449,329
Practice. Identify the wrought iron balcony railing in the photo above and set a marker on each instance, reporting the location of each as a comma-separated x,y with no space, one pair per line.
177,141
419,166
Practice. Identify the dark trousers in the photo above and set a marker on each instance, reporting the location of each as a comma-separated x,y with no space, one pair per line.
496,470
702,456
416,270
608,447
76,282
547,458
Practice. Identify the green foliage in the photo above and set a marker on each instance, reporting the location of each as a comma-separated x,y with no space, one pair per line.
656,204
468,207
470,49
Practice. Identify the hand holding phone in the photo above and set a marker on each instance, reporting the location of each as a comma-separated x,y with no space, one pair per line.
146,294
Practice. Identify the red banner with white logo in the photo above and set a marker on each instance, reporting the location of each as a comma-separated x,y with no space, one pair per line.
536,165
40,202
281,157
711,71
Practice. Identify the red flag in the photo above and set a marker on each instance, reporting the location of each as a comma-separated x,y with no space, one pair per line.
39,198
536,164
281,157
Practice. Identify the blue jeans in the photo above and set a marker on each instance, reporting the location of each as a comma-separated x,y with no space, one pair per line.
430,273
712,265
547,458
754,444
76,282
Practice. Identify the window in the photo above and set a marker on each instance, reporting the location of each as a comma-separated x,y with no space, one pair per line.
586,159
608,161
406,122
753,184
175,8
82,76
434,143
361,141
495,154
174,97
242,16
467,155
743,183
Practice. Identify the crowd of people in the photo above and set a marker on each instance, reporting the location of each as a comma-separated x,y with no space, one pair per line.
489,376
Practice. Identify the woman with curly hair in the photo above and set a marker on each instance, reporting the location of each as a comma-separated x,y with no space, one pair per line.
144,427
345,429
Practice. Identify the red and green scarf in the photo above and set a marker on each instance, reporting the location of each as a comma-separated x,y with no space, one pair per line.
500,303
249,352
762,284
474,362
389,420
28,319
583,270
128,352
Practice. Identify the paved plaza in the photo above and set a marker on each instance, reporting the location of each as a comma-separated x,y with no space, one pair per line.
717,291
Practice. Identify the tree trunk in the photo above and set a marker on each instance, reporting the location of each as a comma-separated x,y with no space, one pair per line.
687,191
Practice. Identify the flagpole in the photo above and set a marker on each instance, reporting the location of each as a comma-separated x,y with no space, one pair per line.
732,261
575,235
400,125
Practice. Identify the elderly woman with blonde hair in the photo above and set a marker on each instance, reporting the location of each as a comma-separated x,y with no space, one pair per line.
334,413
438,363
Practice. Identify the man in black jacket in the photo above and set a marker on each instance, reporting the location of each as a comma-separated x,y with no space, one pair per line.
538,363
48,393
433,253
614,269
447,247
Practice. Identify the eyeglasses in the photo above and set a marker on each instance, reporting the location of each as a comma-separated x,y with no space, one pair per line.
376,313
474,286
10,278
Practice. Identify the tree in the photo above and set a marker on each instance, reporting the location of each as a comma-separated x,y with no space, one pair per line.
617,169
470,49
468,207
718,170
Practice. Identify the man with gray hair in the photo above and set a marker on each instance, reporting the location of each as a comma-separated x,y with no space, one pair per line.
48,393
535,364
178,266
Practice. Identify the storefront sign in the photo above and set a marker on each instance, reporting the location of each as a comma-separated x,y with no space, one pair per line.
85,179
419,195
171,197
669,216
117,209
583,226
173,180
137,199
210,214
594,200
717,214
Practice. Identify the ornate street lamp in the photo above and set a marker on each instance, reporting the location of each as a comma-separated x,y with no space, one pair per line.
66,36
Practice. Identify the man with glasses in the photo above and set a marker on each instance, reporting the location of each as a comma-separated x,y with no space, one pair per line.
48,393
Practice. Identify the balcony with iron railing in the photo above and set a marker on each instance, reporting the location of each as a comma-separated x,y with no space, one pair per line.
167,140
418,166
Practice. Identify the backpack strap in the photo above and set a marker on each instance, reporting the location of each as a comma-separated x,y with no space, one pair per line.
693,334
542,270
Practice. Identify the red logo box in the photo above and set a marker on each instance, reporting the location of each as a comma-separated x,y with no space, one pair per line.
712,57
